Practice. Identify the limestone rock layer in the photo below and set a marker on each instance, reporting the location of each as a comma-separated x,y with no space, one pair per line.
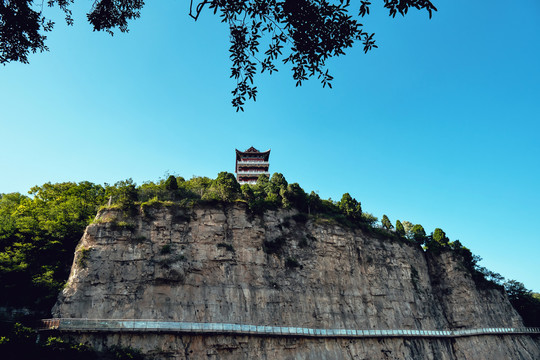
224,264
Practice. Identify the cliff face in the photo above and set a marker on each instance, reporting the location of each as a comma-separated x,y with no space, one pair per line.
209,264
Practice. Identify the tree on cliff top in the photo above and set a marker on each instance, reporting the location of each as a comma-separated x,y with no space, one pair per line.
350,206
400,230
386,223
437,240
171,183
226,186
312,30
418,234
524,301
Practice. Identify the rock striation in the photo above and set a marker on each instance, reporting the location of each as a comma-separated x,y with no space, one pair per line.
222,263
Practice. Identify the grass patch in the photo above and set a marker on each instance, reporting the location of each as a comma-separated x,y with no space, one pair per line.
83,254
121,225
154,203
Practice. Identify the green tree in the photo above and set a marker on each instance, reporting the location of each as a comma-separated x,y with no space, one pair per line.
263,183
247,193
38,236
369,218
418,234
123,193
350,207
314,203
226,186
262,187
386,223
408,226
171,183
276,189
296,197
524,301
315,31
198,185
439,236
400,230
277,182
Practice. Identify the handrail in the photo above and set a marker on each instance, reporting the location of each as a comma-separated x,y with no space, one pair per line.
252,162
139,325
244,172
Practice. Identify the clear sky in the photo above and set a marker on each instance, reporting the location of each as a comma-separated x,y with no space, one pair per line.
439,126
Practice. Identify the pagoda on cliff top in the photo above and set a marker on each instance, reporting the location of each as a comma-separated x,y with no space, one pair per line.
250,164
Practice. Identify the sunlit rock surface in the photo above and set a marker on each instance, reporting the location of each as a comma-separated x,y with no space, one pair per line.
208,264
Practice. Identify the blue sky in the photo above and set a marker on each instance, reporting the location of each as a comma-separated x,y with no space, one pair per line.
437,126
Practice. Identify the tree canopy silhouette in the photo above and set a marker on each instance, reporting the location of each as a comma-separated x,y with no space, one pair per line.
301,33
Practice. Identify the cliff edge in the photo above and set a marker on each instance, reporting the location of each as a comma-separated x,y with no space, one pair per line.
222,263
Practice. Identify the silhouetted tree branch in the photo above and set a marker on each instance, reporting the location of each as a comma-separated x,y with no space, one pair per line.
313,30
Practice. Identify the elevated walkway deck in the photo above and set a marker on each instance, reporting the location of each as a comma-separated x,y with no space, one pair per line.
141,326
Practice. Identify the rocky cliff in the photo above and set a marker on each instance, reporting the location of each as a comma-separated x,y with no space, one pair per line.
224,264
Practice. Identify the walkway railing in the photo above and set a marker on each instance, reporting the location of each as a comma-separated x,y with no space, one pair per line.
99,325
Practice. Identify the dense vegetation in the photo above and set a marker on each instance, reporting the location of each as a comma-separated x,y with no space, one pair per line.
22,343
39,232
38,235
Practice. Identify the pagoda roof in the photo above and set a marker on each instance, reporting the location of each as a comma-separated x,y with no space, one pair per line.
253,151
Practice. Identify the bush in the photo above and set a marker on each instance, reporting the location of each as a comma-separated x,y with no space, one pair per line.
121,225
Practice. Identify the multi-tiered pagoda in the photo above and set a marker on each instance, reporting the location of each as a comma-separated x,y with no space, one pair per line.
250,164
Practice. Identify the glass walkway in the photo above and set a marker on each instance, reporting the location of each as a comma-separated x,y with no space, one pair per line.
110,325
